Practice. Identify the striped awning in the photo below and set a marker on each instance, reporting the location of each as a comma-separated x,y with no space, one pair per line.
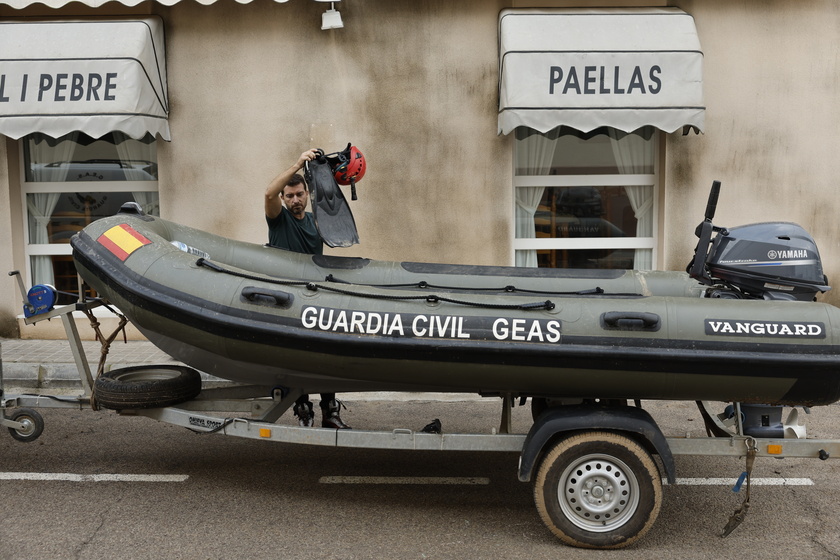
586,68
95,76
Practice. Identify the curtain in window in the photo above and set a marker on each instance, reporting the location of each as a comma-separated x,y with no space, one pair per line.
534,154
633,152
41,207
41,152
134,156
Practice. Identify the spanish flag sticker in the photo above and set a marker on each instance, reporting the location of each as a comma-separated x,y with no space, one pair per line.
122,240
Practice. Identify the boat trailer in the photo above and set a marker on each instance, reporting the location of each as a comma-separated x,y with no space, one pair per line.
600,453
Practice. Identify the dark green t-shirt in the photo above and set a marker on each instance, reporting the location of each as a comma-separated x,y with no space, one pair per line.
301,236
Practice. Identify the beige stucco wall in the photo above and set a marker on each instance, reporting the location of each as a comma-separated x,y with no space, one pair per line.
413,85
8,310
771,84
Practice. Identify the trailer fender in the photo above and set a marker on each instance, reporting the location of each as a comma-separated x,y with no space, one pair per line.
577,418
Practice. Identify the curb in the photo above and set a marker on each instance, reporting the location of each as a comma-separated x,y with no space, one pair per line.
42,376
19,378
21,373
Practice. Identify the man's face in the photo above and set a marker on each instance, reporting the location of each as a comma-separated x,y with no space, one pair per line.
295,198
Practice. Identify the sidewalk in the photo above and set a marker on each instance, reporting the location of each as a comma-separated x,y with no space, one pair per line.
46,364
49,363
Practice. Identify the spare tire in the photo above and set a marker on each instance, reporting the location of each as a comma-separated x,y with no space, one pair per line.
146,386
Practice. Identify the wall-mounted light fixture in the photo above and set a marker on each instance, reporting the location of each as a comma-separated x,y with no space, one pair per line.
331,19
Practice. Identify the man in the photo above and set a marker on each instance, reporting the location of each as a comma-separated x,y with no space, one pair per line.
292,228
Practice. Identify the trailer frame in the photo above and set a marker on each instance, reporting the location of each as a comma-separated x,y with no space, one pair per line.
221,410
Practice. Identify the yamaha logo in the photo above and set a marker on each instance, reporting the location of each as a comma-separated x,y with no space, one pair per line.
787,254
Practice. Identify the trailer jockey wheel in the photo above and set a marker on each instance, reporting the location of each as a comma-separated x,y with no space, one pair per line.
598,490
33,425
146,387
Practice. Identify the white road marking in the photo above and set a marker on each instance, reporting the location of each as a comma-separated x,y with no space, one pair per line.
71,477
732,481
469,480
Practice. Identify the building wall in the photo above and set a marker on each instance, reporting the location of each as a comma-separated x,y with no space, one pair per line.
771,84
414,85
8,309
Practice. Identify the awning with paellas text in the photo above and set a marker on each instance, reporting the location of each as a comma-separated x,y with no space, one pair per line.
586,68
95,76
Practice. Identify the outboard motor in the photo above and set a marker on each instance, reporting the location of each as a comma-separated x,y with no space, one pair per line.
773,260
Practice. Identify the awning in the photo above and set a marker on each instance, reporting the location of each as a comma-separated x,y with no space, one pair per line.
94,76
587,68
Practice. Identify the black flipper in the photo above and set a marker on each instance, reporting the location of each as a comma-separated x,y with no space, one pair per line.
333,217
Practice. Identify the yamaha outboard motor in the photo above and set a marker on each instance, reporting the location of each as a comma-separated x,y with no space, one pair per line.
774,260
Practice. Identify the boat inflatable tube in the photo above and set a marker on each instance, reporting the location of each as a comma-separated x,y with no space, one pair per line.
321,323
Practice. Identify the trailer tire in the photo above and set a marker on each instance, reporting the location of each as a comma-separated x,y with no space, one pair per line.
33,425
598,490
146,387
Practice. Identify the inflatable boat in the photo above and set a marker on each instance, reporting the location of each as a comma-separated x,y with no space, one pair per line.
730,329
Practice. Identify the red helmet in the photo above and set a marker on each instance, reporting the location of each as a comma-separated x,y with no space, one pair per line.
350,166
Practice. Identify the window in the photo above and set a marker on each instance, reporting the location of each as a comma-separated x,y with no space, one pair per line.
72,181
585,200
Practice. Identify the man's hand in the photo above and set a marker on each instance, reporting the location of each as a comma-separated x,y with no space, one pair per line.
308,155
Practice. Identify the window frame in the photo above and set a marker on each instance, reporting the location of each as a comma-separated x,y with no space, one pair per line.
611,180
61,187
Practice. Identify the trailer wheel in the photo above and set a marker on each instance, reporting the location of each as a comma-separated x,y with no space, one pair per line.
33,425
598,490
146,387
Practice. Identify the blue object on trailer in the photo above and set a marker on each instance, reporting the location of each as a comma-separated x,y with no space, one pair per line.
41,299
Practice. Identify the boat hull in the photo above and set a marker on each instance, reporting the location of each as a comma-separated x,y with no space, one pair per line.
263,316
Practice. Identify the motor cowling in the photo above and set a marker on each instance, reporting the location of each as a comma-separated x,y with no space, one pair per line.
774,260
771,260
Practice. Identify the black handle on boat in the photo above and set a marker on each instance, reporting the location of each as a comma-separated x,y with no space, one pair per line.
711,205
266,296
631,320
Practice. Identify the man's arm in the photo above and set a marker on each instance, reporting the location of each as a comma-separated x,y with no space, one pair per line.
274,192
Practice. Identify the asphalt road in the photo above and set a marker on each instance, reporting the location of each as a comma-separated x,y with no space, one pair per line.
255,499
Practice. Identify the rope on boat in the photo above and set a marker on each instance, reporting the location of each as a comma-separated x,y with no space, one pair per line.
433,298
105,343
430,298
740,513
509,288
